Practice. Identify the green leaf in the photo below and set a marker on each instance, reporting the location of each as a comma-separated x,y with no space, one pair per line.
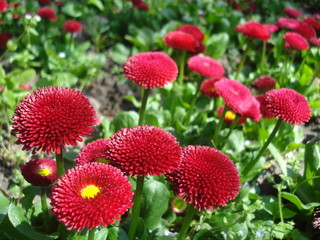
124,120
101,233
105,127
156,203
2,73
72,9
65,79
4,206
312,160
116,233
276,154
216,45
281,229
96,3
306,75
119,53
297,202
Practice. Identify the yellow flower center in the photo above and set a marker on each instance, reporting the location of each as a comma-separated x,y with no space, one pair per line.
230,115
90,191
44,172
103,160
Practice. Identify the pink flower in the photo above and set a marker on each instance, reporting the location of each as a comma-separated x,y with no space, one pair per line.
254,30
296,41
292,12
193,30
271,27
181,41
207,87
205,66
288,23
264,83
305,30
3,6
312,22
265,112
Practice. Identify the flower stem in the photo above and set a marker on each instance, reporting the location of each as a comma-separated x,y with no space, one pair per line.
181,67
186,223
60,164
263,56
315,74
194,99
280,202
232,126
145,95
44,206
91,233
137,199
251,164
218,128
243,58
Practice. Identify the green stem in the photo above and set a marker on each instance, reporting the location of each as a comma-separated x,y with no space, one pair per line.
181,67
194,99
280,202
218,128
243,58
137,199
186,222
263,60
251,164
232,126
315,74
91,233
44,207
60,163
145,95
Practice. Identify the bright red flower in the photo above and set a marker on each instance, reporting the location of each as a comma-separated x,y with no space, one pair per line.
312,22
238,98
40,172
205,66
288,105
93,152
271,27
254,30
292,12
206,177
143,151
230,116
193,30
47,13
181,40
296,41
52,117
264,83
91,195
288,23
3,6
4,38
207,87
265,112
305,30
150,69
315,41
72,26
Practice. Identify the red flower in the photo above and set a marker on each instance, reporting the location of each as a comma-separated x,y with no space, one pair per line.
207,87
93,152
288,23
316,16
305,30
44,2
52,117
296,41
58,3
3,6
230,116
205,178
292,12
315,41
91,195
193,30
312,22
142,6
238,98
150,69
47,13
264,83
4,38
265,112
72,26
25,87
182,41
40,172
255,30
288,105
271,27
143,151
205,66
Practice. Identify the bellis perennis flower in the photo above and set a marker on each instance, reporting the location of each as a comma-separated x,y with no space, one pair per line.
48,14
72,26
93,152
205,66
254,30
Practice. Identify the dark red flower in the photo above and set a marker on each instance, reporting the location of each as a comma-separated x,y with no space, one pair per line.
52,117
205,66
193,30
4,38
288,23
142,6
243,5
264,83
288,105
254,30
72,26
271,27
143,151
58,3
296,41
292,12
3,6
238,98
91,195
305,30
181,40
150,69
207,87
93,152
230,116
44,2
206,177
40,172
14,5
47,13
265,112
312,22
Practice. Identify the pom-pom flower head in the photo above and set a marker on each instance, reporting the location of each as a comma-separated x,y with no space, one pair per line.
207,87
91,195
205,178
40,172
193,30
312,22
305,30
295,41
264,83
52,117
143,151
265,112
292,12
3,6
288,105
150,69
205,66
182,41
288,23
93,152
254,30
47,13
72,26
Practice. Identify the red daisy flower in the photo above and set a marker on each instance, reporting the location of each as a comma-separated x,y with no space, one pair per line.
72,26
207,87
91,195
271,27
150,69
205,178
143,151
264,83
40,172
305,30
316,16
47,13
52,117
193,30
292,12
44,2
288,105
288,23
312,22
3,6
142,6
58,3
265,112
181,40
93,152
230,116
255,30
238,98
296,41
315,41
205,66
4,38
